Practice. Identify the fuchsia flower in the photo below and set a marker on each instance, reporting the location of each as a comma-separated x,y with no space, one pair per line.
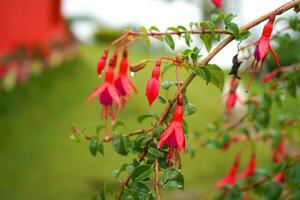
278,151
173,136
279,177
249,171
101,63
122,82
263,44
218,3
152,89
107,93
231,177
232,97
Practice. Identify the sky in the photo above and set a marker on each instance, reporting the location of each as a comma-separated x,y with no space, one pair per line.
162,14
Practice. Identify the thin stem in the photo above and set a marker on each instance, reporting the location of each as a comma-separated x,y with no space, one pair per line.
193,32
157,186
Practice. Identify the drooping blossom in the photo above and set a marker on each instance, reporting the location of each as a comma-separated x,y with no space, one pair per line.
279,177
107,93
249,171
232,96
230,179
152,89
3,70
122,82
263,44
173,136
218,3
279,151
101,63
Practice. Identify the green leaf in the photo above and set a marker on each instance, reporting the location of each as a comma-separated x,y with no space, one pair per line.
162,100
207,40
292,87
154,28
189,109
202,72
272,191
137,191
293,174
141,172
187,38
101,148
293,22
233,29
146,115
216,75
99,128
94,146
119,144
208,25
156,152
182,28
172,179
169,40
228,18
243,35
143,36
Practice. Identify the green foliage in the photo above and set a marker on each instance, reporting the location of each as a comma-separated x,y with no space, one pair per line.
172,179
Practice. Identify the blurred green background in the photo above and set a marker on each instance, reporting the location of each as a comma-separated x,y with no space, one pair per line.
39,161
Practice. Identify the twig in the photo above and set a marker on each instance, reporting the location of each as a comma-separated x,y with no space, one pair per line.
157,186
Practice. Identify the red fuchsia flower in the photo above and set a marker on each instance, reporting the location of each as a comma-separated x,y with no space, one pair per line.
249,171
3,70
231,177
152,89
279,177
107,93
101,63
232,97
263,44
173,136
269,76
122,82
278,151
218,3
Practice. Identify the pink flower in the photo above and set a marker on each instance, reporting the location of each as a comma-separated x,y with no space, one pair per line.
249,171
173,136
232,97
101,63
122,82
263,44
231,177
152,89
279,177
218,3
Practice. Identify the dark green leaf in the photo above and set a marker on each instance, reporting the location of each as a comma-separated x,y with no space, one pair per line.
156,152
202,72
146,115
293,174
293,22
137,191
162,100
172,179
189,109
233,29
94,146
187,38
141,172
217,76
119,144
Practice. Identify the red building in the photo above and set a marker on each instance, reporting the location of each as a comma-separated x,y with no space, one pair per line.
30,23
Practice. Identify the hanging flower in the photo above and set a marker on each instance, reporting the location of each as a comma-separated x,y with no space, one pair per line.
122,82
152,89
249,171
173,136
263,45
279,177
232,97
218,3
279,151
108,95
101,63
231,177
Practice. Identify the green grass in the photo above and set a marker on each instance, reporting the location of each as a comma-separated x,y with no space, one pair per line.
38,160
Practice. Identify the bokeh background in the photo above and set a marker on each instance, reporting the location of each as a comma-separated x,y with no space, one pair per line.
37,110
